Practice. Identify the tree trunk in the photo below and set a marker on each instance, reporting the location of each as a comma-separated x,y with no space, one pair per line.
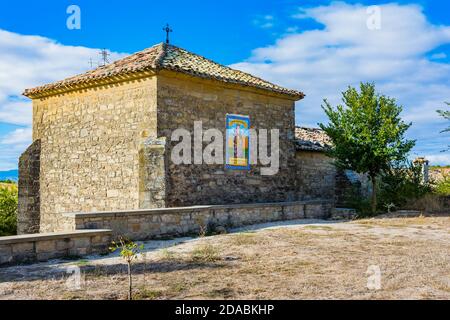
130,284
374,194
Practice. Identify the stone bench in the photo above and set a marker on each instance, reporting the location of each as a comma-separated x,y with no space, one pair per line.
45,246
145,224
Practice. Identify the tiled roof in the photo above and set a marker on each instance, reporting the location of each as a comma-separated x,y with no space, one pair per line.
164,57
311,139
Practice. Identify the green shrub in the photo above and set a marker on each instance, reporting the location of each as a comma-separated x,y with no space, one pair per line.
400,187
353,199
8,210
7,181
401,184
443,187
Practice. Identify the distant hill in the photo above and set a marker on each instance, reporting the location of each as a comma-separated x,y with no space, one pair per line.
10,174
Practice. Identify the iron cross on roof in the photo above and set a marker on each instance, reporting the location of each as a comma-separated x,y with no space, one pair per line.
167,30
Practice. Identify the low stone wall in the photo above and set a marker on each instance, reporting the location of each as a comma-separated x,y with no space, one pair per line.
156,223
45,246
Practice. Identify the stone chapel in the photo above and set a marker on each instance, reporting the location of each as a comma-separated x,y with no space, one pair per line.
101,140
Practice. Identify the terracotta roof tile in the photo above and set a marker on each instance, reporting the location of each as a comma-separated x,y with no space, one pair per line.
311,139
165,57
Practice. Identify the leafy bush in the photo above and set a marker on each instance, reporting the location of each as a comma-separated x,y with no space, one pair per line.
353,199
7,181
443,187
8,210
399,187
401,184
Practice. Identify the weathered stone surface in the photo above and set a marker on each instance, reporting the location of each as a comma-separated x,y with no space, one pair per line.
160,222
350,184
5,253
181,101
153,173
44,246
64,244
82,242
28,213
343,214
90,148
24,247
315,174
46,255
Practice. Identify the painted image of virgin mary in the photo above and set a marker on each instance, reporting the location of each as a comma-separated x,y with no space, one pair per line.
238,146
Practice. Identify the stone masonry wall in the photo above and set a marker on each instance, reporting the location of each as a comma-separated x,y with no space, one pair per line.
182,100
316,175
155,223
152,174
28,213
42,247
90,142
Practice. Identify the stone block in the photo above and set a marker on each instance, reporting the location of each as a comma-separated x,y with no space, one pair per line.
44,256
6,258
77,251
28,256
112,193
45,246
24,247
5,250
64,244
135,227
81,242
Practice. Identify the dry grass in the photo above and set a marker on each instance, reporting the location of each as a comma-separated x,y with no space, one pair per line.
205,253
244,238
297,262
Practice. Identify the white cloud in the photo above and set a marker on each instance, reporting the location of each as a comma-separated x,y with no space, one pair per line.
18,136
265,22
324,61
15,112
436,159
12,145
26,62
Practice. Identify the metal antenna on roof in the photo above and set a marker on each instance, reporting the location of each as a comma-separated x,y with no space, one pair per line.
104,53
91,63
167,30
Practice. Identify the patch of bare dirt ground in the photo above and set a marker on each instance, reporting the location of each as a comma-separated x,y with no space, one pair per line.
294,260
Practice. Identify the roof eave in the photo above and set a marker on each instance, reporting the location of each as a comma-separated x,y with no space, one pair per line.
60,88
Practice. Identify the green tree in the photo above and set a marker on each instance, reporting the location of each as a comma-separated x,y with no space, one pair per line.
446,115
8,210
367,133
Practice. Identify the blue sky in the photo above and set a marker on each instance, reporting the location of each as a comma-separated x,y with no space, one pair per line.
319,47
